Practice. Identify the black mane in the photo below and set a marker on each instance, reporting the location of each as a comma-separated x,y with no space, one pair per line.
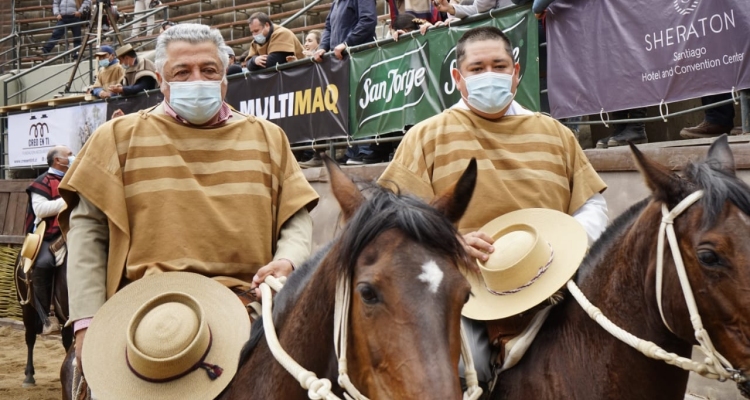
386,210
718,187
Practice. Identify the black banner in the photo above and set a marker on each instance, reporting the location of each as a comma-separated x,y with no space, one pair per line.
309,102
131,104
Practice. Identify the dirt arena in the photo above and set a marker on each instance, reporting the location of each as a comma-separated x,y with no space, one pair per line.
48,355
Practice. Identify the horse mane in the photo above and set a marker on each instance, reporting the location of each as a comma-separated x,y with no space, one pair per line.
386,210
608,239
719,186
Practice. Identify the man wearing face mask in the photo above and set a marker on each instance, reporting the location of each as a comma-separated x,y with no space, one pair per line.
45,204
140,73
272,43
188,185
110,72
525,160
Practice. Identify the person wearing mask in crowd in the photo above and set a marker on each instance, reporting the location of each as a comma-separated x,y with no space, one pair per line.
66,12
140,73
45,204
350,23
187,185
272,43
312,41
525,160
233,68
110,72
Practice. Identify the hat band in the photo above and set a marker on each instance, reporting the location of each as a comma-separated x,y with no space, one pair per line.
539,273
214,371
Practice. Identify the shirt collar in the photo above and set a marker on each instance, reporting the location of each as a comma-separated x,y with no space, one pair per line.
55,171
514,109
224,114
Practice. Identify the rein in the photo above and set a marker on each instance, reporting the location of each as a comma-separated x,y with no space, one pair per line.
715,366
320,388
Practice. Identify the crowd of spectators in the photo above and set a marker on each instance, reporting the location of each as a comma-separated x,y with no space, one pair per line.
349,23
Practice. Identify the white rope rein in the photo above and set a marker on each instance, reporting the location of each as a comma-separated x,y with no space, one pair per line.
320,388
714,366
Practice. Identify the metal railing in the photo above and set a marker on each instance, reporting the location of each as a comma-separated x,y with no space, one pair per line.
89,45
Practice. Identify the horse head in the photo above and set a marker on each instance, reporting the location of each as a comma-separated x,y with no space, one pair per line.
402,259
714,243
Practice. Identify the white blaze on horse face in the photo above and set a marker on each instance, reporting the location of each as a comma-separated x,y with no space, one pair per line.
431,275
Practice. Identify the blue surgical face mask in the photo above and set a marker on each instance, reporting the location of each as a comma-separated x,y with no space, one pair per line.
71,158
195,101
489,92
104,63
260,38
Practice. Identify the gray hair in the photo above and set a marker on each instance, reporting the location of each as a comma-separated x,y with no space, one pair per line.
191,33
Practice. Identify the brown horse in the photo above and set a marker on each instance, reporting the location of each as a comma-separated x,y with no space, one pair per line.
402,258
574,358
32,321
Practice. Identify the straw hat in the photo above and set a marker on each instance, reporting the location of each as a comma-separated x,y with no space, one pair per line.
174,335
122,50
537,251
31,245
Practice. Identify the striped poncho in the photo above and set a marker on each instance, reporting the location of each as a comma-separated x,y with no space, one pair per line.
524,161
210,201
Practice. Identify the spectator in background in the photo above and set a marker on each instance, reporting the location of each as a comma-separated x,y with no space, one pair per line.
140,73
243,60
634,132
67,12
462,11
233,68
166,25
718,120
312,41
142,6
110,72
272,44
350,23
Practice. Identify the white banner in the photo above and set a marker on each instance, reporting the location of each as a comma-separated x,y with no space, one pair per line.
32,135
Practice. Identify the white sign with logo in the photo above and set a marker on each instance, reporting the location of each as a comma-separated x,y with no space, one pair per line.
31,135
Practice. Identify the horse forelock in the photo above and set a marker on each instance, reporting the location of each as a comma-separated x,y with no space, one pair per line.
386,210
718,187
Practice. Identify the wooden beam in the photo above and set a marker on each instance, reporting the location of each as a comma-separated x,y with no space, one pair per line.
11,239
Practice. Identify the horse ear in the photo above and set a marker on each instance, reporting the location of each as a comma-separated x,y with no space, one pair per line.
720,155
454,201
344,189
663,183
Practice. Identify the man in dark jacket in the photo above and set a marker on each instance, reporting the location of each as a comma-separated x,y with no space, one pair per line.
67,12
350,23
140,73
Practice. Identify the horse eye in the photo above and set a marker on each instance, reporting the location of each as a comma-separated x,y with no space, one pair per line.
708,258
369,296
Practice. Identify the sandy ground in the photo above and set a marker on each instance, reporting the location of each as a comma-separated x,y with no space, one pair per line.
48,355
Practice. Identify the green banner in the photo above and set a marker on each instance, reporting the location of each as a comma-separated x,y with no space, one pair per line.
405,82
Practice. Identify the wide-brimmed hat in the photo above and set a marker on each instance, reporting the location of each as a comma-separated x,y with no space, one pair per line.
122,50
536,252
175,335
32,243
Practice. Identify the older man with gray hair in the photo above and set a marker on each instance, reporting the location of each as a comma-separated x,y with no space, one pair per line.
188,185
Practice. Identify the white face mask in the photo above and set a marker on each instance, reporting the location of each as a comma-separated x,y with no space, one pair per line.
490,92
196,101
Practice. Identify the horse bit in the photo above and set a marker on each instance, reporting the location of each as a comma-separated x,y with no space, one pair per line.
715,365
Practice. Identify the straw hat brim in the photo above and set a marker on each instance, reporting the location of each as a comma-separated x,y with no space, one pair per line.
32,243
569,243
104,365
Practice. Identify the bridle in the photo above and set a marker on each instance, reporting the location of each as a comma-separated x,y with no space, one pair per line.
715,365
320,388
